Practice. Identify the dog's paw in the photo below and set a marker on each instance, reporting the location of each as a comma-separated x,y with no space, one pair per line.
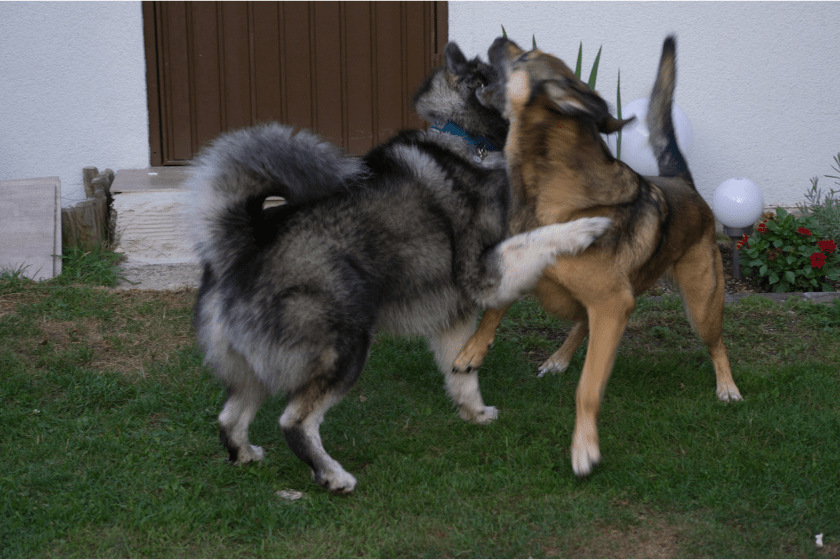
484,416
337,480
552,365
470,358
584,231
728,393
585,455
249,454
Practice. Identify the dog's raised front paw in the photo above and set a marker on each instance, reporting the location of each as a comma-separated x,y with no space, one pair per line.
470,358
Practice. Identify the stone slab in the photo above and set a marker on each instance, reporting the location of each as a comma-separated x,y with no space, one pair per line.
30,227
150,179
152,227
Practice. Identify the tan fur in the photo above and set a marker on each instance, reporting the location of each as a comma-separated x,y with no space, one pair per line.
560,169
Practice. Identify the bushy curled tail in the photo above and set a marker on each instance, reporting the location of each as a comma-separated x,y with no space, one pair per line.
663,138
233,176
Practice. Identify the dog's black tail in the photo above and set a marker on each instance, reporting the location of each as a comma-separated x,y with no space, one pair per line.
233,176
663,138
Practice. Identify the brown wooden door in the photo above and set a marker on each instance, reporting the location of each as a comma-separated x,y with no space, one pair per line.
345,69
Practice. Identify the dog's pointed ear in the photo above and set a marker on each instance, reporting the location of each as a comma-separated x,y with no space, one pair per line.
456,62
574,98
611,124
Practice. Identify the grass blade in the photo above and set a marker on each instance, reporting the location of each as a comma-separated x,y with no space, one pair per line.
580,56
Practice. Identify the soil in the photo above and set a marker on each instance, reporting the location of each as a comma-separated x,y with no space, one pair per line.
734,286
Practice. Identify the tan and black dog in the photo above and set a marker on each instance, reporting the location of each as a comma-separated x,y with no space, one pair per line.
560,169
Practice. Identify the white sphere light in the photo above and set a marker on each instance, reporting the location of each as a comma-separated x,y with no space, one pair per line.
635,147
738,203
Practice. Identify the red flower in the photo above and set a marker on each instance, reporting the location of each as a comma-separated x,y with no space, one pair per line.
742,242
829,245
804,231
762,228
817,260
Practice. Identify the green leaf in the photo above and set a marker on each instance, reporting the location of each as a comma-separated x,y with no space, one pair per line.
593,75
580,57
534,41
778,243
790,277
763,270
504,33
781,212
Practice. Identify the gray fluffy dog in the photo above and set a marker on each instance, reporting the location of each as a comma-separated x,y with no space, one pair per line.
410,239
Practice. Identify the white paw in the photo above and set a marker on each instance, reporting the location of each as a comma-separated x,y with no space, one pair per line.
584,457
485,416
250,453
728,394
337,480
551,366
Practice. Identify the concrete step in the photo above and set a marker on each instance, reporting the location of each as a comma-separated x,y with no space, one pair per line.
151,225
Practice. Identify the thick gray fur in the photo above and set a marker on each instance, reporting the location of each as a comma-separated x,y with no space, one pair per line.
411,238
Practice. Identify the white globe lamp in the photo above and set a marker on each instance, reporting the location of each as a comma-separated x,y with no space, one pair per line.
635,137
737,204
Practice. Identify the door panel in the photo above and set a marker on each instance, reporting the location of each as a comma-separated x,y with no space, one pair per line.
346,69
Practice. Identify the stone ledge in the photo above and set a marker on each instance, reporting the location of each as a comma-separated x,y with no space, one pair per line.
815,297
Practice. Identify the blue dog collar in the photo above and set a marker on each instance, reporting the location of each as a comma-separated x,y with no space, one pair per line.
452,128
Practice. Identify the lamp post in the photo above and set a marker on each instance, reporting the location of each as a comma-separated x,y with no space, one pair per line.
737,204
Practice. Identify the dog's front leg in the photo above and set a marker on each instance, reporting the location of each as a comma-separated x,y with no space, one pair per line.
607,321
477,347
461,387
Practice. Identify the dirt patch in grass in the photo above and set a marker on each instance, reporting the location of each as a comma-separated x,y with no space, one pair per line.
141,327
647,536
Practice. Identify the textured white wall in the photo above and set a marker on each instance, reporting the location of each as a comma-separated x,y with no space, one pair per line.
758,80
72,90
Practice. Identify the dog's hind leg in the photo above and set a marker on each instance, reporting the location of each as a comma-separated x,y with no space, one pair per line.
301,420
245,395
699,274
461,387
561,359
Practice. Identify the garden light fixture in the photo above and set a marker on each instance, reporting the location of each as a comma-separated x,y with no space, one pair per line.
737,204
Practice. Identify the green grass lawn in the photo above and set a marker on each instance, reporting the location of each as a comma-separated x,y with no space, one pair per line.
110,445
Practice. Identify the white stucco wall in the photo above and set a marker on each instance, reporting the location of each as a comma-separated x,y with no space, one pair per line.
758,80
72,90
